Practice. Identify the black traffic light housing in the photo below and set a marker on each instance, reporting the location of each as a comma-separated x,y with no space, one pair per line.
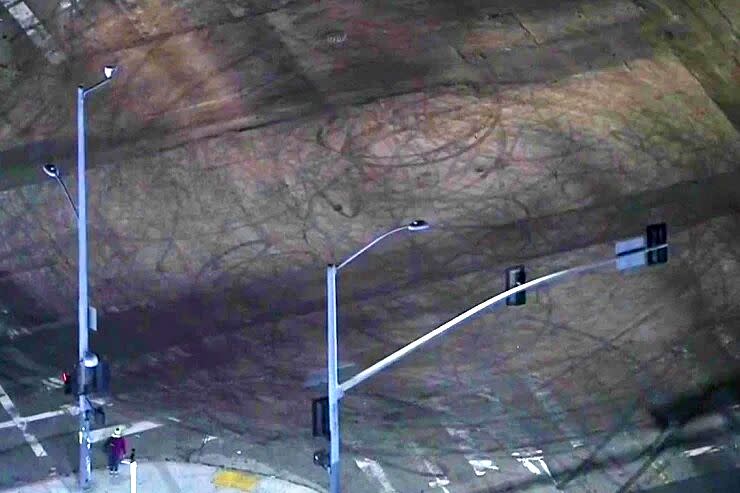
320,417
321,458
101,378
656,235
70,382
515,276
97,380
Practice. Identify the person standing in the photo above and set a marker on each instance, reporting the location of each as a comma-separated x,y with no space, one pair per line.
116,450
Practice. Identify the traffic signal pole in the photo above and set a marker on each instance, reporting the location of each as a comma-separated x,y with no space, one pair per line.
333,380
653,250
85,465
452,323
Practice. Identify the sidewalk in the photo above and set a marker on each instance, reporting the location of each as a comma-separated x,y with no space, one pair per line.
170,477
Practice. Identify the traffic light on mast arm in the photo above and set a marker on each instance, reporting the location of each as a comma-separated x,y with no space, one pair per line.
656,236
516,276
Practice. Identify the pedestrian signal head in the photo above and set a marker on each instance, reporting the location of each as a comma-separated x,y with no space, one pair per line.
69,382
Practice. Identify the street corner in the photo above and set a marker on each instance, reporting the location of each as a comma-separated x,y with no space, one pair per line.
234,481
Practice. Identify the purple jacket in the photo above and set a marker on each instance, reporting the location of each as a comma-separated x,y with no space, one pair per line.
118,447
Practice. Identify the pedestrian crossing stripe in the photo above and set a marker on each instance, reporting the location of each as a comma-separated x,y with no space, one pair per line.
14,333
52,383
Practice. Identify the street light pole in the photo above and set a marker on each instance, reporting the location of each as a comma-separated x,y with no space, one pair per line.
85,466
335,392
85,358
83,306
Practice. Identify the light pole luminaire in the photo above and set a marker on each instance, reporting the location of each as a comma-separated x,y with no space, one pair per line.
334,390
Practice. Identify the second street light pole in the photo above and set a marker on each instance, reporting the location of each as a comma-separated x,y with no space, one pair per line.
334,390
629,254
333,378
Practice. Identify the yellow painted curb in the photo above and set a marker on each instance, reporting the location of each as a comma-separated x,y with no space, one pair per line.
236,479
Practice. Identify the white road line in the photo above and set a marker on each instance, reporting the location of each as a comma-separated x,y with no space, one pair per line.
440,483
373,469
552,407
13,333
71,410
52,383
48,415
34,29
441,480
479,464
131,429
709,449
20,423
531,460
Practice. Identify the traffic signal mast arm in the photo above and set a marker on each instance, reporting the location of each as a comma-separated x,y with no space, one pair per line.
412,346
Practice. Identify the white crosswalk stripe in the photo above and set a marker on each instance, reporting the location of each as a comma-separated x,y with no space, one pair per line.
375,471
440,481
481,465
552,407
21,424
533,461
52,383
14,333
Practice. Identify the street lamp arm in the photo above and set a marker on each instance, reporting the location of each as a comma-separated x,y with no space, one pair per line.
69,197
412,346
370,245
95,87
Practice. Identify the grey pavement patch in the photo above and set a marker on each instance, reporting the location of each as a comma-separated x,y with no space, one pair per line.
22,360
552,407
258,468
319,377
159,477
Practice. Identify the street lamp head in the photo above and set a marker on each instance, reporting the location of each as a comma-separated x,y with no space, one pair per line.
90,360
110,71
417,225
51,170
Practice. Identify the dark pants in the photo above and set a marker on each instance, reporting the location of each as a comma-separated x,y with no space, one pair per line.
113,461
